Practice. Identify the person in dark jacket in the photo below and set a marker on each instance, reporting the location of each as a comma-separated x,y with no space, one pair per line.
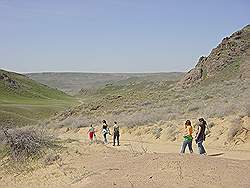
116,134
200,136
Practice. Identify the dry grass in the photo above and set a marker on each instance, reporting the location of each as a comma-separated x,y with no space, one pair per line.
140,106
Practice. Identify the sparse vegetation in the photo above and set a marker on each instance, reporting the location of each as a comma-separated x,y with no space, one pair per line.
23,143
139,105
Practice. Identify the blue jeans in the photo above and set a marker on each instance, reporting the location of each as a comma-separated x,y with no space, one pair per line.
185,144
105,138
201,147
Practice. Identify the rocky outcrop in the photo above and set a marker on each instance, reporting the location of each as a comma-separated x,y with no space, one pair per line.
231,50
13,84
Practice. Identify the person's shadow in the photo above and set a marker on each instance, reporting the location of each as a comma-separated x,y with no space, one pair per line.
216,154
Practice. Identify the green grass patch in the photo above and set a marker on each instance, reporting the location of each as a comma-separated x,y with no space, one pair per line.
26,102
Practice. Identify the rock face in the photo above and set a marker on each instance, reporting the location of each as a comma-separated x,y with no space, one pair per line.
233,49
13,84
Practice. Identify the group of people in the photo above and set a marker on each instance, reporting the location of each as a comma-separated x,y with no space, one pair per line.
188,135
106,132
199,138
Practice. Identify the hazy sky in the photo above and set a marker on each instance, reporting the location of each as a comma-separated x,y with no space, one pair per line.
114,35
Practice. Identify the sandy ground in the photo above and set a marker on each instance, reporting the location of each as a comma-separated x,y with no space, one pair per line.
136,163
131,144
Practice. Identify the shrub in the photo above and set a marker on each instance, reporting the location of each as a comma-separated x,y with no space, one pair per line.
206,97
245,110
75,122
192,108
26,142
220,109
51,158
234,128
157,132
210,125
171,132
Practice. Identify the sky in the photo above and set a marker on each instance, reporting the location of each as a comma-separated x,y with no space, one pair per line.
114,35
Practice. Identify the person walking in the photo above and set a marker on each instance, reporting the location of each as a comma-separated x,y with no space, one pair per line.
188,138
200,136
91,133
105,131
116,135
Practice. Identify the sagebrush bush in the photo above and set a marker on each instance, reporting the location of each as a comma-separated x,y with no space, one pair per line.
76,122
245,110
192,107
27,142
157,132
171,132
234,128
51,158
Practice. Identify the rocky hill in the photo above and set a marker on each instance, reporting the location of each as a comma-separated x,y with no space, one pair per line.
230,58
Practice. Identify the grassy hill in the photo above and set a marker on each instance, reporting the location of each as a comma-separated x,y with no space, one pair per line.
24,101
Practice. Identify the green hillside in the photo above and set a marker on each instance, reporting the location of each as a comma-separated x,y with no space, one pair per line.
24,101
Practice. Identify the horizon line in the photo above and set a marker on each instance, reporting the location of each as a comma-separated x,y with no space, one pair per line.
92,72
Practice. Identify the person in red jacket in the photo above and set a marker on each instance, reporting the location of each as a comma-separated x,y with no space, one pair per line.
91,133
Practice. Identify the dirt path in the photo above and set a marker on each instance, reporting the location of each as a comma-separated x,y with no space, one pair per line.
137,144
96,165
152,147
